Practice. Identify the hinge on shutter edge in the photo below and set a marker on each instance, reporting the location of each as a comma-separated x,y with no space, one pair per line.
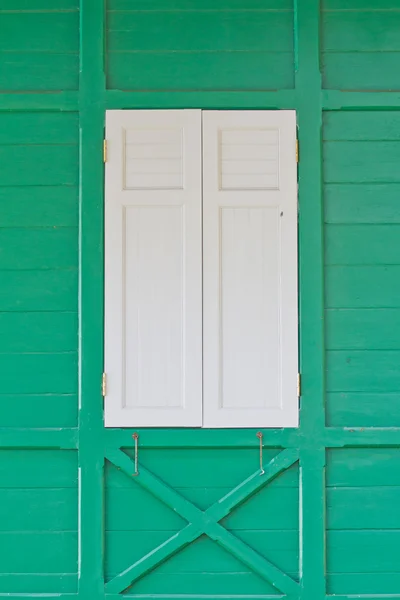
297,151
105,151
104,385
298,385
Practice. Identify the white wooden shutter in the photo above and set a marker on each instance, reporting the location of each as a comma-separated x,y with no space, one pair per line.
250,269
153,328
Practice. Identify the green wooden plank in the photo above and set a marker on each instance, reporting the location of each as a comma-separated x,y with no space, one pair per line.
378,100
26,71
38,332
200,70
361,70
361,244
38,468
231,31
17,437
52,100
31,206
362,203
39,373
364,583
360,5
360,31
40,5
365,329
190,5
363,409
363,467
39,290
362,371
379,508
362,551
357,125
33,31
44,552
39,165
363,287
39,509
39,128
40,410
39,248
356,162
26,584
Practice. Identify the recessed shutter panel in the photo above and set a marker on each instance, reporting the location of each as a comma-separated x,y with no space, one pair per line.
250,269
153,345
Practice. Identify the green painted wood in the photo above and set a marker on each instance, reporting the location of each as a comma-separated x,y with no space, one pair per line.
39,128
26,584
24,71
39,248
50,100
371,584
355,31
54,31
182,5
39,290
362,244
38,410
367,100
379,508
356,162
39,373
233,31
40,5
362,329
362,203
45,552
361,125
362,409
362,371
38,468
361,71
52,206
363,286
30,165
48,332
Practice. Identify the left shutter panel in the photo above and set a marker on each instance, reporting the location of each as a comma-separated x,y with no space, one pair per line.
153,313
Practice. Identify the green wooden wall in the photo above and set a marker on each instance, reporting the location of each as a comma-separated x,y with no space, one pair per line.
328,523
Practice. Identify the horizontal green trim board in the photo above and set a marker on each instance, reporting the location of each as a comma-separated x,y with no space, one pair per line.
360,584
379,508
362,409
356,162
51,31
361,70
362,371
201,438
48,332
49,585
359,244
49,290
200,71
360,5
39,128
195,5
360,31
337,100
338,437
247,31
361,329
38,248
372,203
361,125
38,101
40,5
362,286
117,99
26,71
38,410
363,467
62,438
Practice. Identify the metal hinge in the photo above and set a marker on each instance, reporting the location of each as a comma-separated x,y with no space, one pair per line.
104,385
298,385
105,151
297,151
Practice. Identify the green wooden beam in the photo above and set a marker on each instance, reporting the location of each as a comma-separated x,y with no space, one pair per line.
337,100
311,285
63,439
91,456
275,99
39,101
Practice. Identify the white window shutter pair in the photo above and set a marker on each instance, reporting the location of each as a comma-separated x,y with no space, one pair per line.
201,269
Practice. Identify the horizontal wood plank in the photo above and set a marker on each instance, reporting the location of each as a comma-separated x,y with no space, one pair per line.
38,410
362,203
50,290
38,332
362,287
358,371
39,373
363,409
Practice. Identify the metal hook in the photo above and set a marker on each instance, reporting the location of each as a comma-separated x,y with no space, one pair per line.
136,437
260,437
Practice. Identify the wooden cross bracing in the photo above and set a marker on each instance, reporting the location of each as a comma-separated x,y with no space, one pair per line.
203,522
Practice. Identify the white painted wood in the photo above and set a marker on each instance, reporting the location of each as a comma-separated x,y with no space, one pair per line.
153,313
250,339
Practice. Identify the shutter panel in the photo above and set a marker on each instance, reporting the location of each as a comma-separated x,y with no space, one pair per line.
153,330
250,269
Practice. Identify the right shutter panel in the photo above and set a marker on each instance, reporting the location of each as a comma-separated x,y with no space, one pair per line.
250,269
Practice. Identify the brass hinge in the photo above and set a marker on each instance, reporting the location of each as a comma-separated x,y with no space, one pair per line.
298,385
104,385
105,151
297,151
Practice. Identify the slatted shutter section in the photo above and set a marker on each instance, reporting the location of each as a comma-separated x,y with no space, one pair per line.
250,269
153,324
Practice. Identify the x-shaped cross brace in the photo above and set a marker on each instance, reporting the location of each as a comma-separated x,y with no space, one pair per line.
204,522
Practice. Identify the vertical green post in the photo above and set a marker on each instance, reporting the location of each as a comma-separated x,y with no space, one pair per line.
311,282
91,455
